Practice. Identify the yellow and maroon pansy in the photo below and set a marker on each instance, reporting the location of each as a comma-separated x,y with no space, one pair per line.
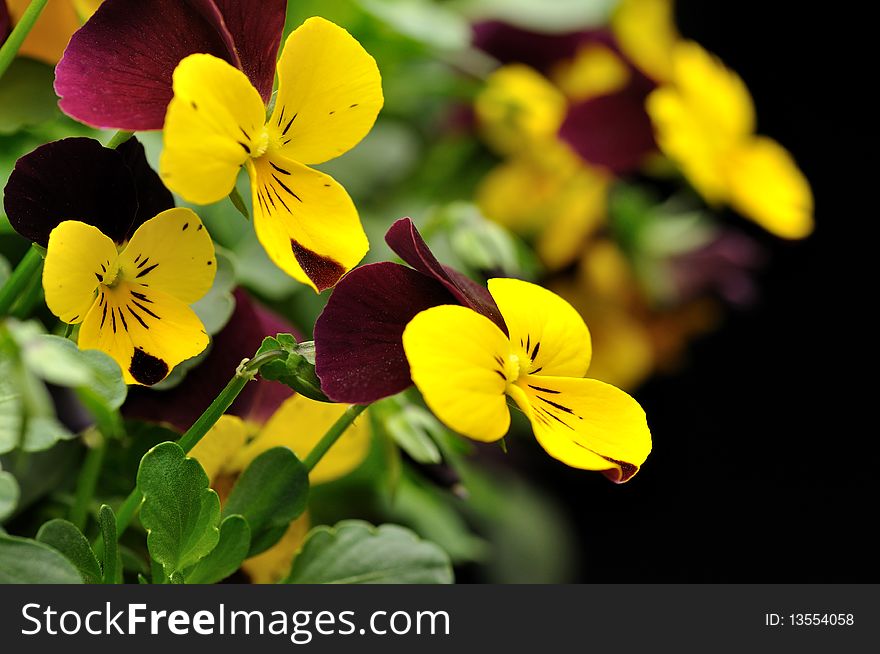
125,276
466,368
329,95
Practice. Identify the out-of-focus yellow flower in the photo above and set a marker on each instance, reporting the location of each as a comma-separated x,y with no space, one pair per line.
518,109
298,424
705,122
646,32
53,29
595,70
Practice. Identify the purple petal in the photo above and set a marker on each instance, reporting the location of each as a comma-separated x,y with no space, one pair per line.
182,405
612,131
508,44
5,22
116,71
255,27
70,179
153,198
405,240
359,352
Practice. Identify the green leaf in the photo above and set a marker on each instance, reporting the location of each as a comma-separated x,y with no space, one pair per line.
424,21
226,558
355,552
5,270
269,494
26,95
42,432
67,539
295,370
9,493
103,376
180,512
411,427
107,521
25,561
216,307
555,16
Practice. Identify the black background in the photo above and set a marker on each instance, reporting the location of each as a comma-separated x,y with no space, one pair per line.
760,470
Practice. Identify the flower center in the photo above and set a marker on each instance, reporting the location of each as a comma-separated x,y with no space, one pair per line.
514,368
260,144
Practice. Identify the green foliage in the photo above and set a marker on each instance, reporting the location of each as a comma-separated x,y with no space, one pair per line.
410,426
355,552
107,522
226,558
26,95
293,370
269,494
9,494
180,513
26,561
423,21
556,16
67,539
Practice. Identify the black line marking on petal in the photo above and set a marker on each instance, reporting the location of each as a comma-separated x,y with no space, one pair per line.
278,195
146,271
536,370
545,390
136,258
194,105
113,316
103,317
281,116
534,354
201,227
501,374
101,299
74,318
279,169
284,133
100,279
141,296
185,227
284,186
103,269
246,148
353,106
144,262
145,310
139,319
269,196
326,185
146,368
124,324
558,406
528,342
246,135
332,112
555,417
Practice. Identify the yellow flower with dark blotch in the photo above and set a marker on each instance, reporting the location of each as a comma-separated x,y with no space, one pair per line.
329,95
466,367
133,303
705,122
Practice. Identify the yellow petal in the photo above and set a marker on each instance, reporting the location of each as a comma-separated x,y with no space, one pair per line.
219,447
52,31
298,424
146,331
645,30
594,71
173,253
767,186
550,335
306,221
271,566
586,423
329,93
77,259
214,123
458,360
518,108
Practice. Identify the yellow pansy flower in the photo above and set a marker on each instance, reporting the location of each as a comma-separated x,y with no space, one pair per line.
298,424
705,122
329,94
132,302
646,32
466,380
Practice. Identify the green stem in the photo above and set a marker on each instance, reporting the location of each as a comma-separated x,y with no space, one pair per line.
245,373
336,430
24,272
87,482
118,139
18,35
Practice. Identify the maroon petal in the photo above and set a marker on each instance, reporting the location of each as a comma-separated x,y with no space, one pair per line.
70,179
153,198
5,22
508,44
359,352
116,70
611,131
182,405
255,27
405,240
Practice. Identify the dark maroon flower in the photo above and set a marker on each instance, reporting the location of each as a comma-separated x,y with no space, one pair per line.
5,22
116,71
359,353
181,405
611,131
79,179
